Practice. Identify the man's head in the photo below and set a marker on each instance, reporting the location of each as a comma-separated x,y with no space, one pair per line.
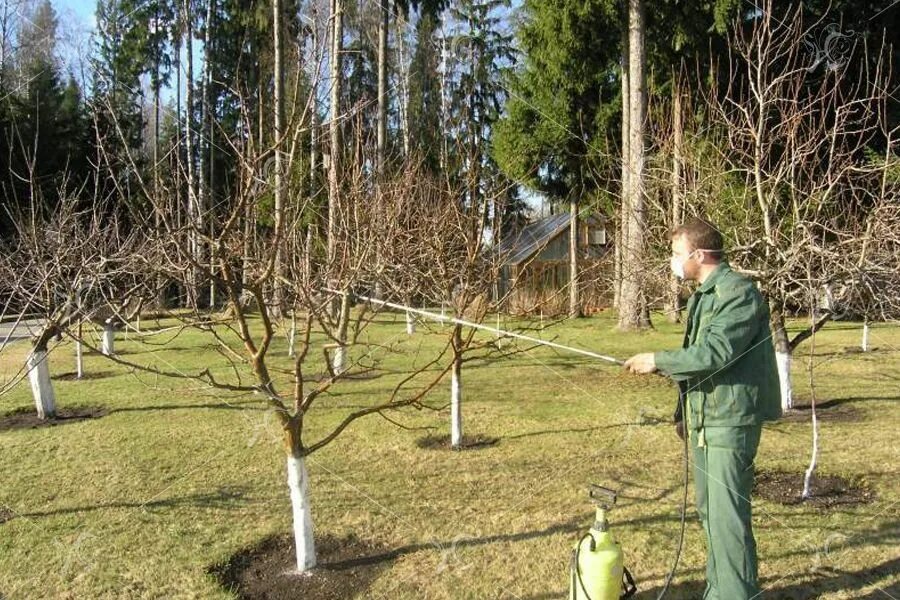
697,249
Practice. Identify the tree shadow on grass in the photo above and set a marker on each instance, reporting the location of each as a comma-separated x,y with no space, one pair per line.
230,405
222,498
644,422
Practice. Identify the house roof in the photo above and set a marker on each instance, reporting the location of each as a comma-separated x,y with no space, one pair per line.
531,238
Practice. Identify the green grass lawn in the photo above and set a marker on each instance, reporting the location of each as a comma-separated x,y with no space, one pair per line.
175,478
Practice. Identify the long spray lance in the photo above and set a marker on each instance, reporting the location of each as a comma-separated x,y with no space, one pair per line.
473,325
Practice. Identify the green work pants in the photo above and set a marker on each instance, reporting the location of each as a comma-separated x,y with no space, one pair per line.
723,476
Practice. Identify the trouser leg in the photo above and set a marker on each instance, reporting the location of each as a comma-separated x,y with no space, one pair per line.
732,567
701,492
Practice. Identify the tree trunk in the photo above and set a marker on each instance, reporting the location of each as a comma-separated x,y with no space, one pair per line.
621,239
865,336
204,180
79,354
632,301
41,385
108,344
403,85
456,430
194,209
158,212
339,361
674,304
410,323
337,48
574,301
304,540
814,455
278,109
383,24
782,357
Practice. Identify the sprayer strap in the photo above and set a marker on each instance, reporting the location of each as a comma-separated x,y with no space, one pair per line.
628,585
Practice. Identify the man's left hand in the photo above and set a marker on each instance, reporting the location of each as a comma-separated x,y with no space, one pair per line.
641,363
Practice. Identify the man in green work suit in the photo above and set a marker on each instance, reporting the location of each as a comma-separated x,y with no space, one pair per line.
728,383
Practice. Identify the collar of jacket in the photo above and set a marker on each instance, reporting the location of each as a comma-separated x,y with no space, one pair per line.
714,277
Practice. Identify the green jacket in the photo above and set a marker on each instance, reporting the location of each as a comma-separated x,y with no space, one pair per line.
726,368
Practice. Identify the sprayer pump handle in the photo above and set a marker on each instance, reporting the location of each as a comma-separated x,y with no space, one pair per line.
602,495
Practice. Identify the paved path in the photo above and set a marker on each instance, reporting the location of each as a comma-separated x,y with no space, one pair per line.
24,330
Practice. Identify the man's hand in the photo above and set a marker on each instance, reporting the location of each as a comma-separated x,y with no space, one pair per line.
641,363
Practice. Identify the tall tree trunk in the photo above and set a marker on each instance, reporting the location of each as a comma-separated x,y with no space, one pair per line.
632,302
381,143
157,201
179,136
574,300
206,174
403,84
337,49
674,305
194,209
621,239
314,117
278,109
383,24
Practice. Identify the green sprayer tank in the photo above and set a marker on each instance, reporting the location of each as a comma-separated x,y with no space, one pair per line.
597,570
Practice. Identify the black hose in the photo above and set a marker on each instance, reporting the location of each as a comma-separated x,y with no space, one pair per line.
671,574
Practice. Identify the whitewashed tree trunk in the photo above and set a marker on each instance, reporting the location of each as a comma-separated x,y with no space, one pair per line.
807,477
108,346
865,336
41,386
410,323
304,541
783,360
292,335
456,405
339,360
79,360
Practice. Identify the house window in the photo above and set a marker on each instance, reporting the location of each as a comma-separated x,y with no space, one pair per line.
598,237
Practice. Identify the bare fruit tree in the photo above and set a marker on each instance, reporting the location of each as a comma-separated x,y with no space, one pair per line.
65,266
803,186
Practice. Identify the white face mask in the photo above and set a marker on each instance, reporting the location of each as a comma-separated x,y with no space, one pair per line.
677,264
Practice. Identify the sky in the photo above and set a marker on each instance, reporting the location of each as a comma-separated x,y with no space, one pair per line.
81,10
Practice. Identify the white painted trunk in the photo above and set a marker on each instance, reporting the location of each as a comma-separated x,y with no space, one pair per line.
865,338
339,360
807,478
456,406
108,346
79,359
41,386
410,323
783,359
292,336
304,541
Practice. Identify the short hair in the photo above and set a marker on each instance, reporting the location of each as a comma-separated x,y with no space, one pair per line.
701,235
